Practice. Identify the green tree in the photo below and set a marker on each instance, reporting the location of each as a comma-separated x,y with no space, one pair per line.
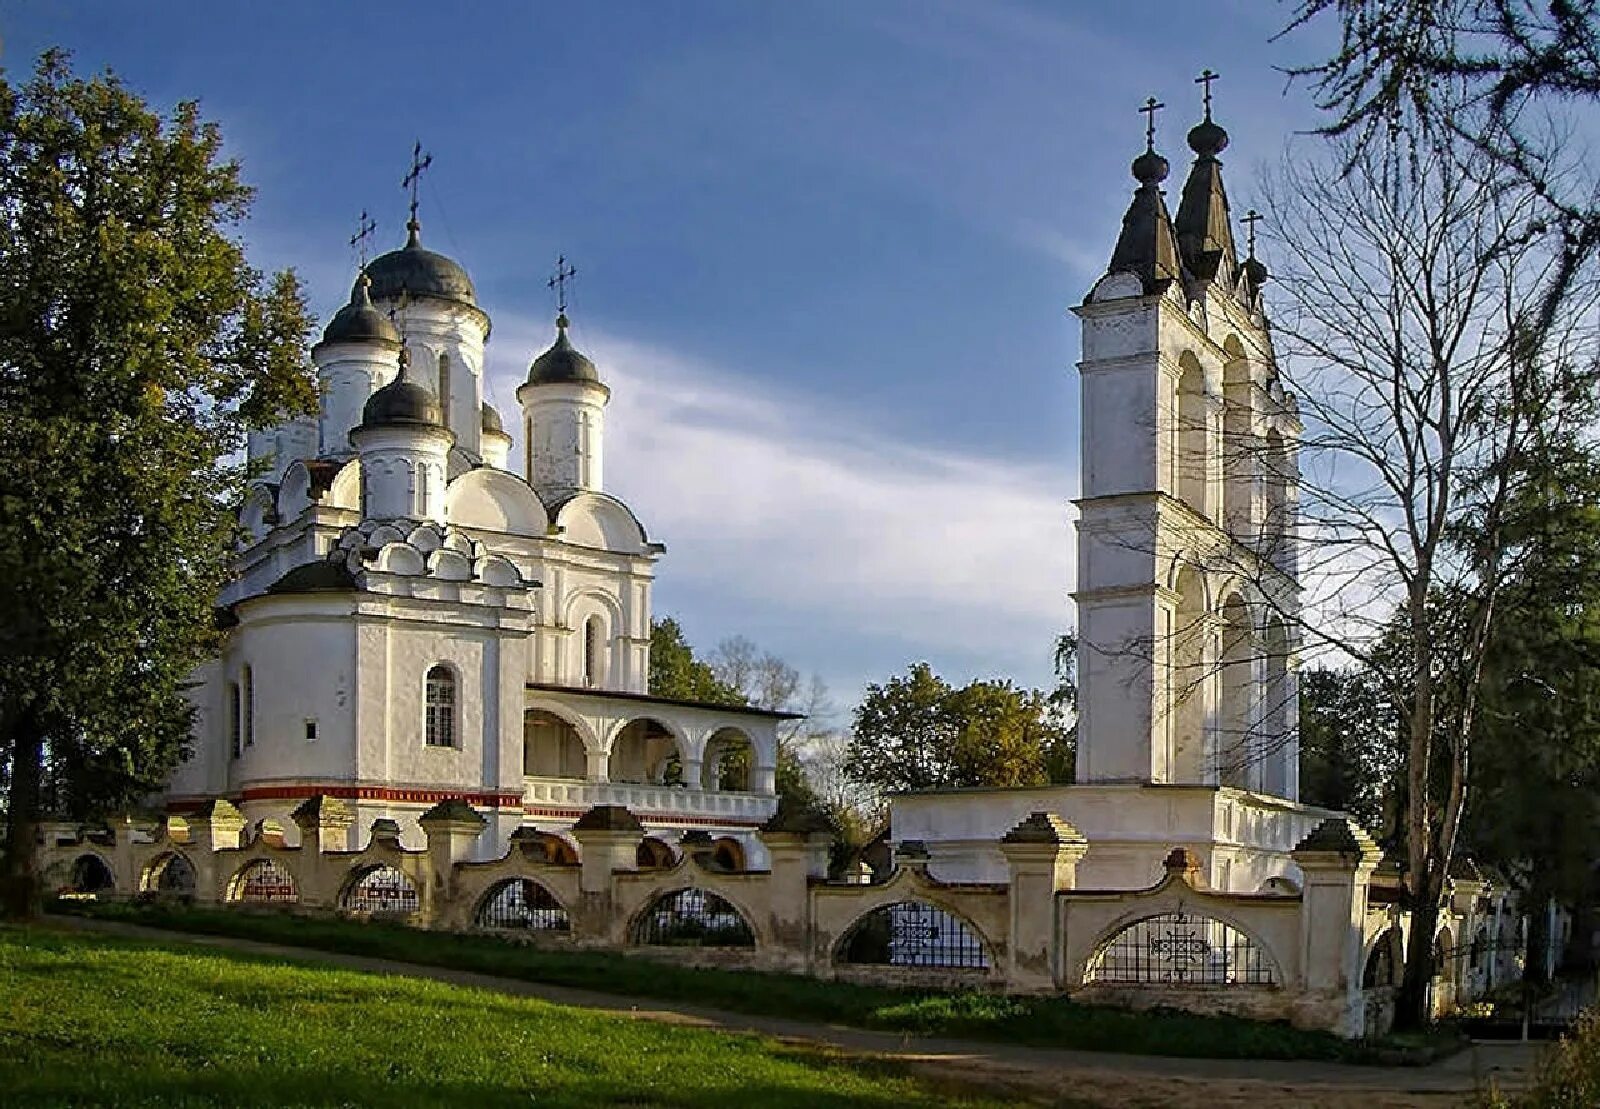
136,347
916,731
1349,746
1537,776
676,673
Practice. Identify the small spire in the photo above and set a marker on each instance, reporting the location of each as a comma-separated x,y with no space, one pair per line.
1146,246
1205,234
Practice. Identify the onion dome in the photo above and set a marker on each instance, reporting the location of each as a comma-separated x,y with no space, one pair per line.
412,271
1256,269
403,402
359,321
491,420
563,363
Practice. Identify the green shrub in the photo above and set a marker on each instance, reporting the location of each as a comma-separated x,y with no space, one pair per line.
1567,1075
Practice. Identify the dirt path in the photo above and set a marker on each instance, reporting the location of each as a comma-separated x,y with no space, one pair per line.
1030,1074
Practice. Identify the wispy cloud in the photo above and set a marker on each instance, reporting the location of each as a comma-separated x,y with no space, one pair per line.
771,503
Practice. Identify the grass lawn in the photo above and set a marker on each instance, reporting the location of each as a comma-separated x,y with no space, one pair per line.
95,1020
1043,1022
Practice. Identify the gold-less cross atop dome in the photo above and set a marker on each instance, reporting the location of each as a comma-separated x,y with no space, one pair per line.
564,273
1150,108
364,229
419,162
1205,78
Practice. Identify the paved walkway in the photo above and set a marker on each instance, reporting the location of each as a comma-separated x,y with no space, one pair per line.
1029,1073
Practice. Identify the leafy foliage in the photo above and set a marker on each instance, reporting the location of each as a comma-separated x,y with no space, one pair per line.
136,347
1349,745
916,731
675,671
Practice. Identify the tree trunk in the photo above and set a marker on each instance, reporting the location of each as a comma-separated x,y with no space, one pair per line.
1411,1005
20,897
1535,968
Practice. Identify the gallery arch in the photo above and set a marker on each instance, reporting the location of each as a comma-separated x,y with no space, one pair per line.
729,761
1193,438
1236,755
551,746
646,752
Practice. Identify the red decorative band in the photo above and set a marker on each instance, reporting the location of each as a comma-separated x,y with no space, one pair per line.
380,793
705,820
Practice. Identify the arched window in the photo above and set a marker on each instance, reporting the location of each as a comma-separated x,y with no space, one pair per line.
235,720
695,918
1237,757
1180,948
440,719
913,934
522,903
593,646
1193,439
424,488
249,681
380,889
1277,531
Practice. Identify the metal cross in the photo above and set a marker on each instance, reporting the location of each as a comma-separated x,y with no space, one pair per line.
563,274
1151,107
1250,219
419,162
1205,78
364,229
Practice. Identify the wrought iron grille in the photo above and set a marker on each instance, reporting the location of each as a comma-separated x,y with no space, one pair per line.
522,903
693,918
265,882
1181,948
381,889
171,874
914,934
90,874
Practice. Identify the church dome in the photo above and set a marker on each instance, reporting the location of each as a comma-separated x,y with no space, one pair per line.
413,271
359,321
402,402
562,363
491,420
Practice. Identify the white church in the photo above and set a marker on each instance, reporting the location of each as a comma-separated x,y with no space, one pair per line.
414,621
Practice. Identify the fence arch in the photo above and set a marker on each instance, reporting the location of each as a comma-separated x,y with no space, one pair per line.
91,874
913,934
263,882
522,903
380,888
692,917
1180,947
169,873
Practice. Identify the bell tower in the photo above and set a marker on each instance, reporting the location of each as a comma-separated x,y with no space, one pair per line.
1186,594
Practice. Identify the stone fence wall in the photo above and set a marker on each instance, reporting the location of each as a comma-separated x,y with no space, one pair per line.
1291,955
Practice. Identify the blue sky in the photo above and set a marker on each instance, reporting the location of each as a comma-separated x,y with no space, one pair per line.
826,251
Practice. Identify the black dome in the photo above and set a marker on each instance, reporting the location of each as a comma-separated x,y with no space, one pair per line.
359,321
416,272
562,363
491,419
402,402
